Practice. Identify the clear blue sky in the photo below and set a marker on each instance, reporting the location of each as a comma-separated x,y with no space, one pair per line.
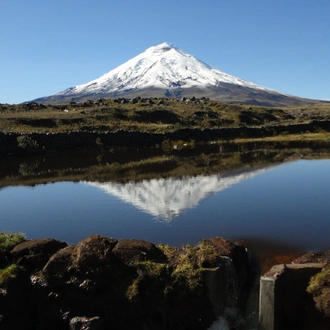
48,46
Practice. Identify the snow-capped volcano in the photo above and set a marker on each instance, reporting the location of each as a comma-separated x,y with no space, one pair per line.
166,70
163,66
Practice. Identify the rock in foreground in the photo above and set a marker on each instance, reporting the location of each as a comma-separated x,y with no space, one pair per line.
103,283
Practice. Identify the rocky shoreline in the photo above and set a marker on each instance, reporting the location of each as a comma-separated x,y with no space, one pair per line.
105,283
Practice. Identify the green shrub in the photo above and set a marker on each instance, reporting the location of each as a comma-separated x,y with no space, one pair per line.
167,145
7,273
133,290
99,142
25,142
320,289
318,281
9,240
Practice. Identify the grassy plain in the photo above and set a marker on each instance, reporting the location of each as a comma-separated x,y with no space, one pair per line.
151,115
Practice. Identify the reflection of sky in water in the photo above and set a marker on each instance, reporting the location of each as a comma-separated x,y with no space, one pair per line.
289,204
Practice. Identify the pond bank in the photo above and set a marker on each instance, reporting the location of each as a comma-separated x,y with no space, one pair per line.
103,283
13,143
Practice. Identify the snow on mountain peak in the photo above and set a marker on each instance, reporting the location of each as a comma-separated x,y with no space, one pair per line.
164,47
163,66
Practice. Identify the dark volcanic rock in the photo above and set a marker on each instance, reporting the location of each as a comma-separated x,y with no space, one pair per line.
36,252
132,284
92,252
60,262
137,250
237,252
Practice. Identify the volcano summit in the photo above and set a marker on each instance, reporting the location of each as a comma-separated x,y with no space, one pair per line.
167,71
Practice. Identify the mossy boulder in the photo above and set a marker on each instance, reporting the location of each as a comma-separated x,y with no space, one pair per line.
189,261
319,287
134,250
93,252
7,242
125,284
319,284
60,262
88,256
8,274
35,253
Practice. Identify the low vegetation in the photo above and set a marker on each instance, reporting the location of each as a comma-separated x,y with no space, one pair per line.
9,240
150,115
8,273
319,287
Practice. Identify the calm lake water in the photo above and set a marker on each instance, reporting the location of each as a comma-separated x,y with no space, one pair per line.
268,195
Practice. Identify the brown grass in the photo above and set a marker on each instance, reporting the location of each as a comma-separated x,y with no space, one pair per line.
109,115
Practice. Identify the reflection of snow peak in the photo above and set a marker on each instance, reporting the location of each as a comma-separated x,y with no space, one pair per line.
167,198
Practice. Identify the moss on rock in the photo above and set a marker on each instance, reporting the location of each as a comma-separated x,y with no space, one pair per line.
147,284
9,240
8,273
319,287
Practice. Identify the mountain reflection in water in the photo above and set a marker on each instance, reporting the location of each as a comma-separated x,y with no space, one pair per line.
167,198
277,201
